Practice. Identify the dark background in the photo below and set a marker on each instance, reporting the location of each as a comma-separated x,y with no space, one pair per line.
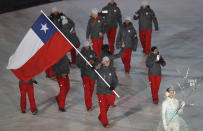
10,5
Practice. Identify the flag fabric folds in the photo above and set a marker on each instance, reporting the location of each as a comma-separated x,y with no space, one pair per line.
42,46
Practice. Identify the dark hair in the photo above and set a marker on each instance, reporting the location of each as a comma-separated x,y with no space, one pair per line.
169,89
153,48
105,49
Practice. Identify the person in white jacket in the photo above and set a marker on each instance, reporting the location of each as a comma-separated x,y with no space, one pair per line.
170,114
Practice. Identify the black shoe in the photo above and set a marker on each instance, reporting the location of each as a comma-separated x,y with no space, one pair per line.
127,72
23,112
113,105
89,109
62,110
57,101
156,102
35,112
107,126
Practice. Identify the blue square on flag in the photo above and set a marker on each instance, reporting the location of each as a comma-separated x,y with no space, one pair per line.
43,28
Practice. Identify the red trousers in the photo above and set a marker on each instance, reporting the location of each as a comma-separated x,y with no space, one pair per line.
73,55
97,45
30,90
50,72
155,83
88,90
145,39
104,103
64,85
111,35
126,58
112,99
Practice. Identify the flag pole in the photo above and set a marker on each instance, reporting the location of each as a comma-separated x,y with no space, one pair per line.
80,54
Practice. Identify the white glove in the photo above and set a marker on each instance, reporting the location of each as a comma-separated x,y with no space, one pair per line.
182,104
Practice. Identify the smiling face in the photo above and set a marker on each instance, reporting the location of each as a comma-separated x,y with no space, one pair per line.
171,94
106,63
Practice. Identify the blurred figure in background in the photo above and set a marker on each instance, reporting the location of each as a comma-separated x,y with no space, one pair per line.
146,16
113,18
127,35
95,30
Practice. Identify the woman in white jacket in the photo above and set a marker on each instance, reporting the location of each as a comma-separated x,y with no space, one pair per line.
170,119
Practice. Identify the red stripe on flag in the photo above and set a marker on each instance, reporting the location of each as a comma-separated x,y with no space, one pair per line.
45,57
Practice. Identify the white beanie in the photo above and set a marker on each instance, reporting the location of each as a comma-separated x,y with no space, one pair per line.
145,2
64,21
105,59
54,9
86,43
128,18
95,11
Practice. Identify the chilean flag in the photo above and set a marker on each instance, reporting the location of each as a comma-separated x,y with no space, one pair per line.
42,46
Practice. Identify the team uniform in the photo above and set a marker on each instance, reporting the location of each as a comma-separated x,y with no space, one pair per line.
60,68
154,74
104,93
29,89
113,18
88,74
94,27
127,35
68,29
146,17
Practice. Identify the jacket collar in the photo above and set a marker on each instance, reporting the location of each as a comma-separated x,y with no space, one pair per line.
114,4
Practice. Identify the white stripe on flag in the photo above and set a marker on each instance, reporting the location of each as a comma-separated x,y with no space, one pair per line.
30,44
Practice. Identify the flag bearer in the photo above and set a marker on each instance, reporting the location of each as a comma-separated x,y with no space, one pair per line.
112,57
104,92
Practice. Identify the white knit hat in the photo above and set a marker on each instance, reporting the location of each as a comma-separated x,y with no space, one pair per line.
95,11
86,43
145,2
54,9
128,18
64,21
105,59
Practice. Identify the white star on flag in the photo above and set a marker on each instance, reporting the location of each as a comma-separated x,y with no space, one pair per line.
44,28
